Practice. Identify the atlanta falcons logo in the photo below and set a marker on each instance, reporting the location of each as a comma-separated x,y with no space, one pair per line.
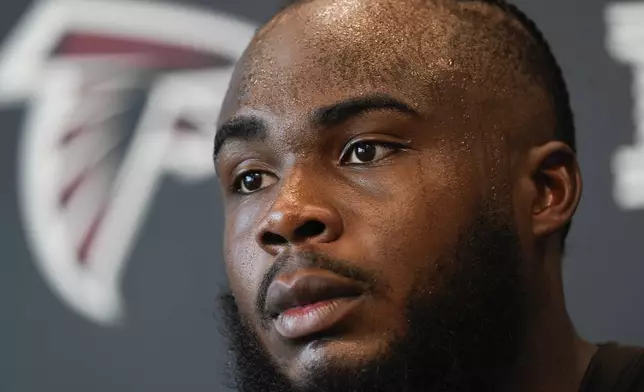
626,43
120,94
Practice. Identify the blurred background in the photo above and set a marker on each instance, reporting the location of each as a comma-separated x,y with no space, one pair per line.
111,224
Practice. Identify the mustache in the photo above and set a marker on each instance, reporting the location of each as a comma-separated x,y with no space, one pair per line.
287,263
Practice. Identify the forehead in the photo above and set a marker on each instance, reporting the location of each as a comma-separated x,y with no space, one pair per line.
314,53
325,51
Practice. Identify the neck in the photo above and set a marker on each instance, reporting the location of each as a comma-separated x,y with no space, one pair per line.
554,358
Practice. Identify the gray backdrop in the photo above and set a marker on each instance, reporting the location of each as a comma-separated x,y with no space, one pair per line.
170,340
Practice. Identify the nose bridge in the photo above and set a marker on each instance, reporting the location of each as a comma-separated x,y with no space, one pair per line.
301,213
298,190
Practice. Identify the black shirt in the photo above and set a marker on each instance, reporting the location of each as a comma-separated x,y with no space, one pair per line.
615,368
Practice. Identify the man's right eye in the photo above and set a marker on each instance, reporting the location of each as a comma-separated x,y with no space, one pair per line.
253,181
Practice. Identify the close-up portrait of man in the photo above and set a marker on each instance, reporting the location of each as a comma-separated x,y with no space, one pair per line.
398,180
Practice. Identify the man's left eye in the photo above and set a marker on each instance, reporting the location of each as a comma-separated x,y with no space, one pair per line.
362,153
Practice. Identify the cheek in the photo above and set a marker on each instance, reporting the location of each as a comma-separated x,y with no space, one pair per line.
244,260
415,222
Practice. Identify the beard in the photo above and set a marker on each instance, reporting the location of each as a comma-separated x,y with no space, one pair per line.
463,337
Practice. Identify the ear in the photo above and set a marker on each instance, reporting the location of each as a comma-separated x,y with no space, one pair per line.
557,180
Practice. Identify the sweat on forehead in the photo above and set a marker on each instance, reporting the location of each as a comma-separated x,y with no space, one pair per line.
421,47
346,36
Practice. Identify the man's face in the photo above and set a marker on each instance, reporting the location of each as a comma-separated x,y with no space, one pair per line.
368,209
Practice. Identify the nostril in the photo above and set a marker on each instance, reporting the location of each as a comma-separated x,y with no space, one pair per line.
273,239
310,229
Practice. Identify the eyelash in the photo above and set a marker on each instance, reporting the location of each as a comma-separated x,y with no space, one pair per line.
394,147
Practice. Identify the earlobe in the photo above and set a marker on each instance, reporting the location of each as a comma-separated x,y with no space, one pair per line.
557,179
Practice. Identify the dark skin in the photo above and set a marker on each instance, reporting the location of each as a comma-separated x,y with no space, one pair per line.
354,138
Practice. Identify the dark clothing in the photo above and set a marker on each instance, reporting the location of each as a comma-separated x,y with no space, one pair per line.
615,368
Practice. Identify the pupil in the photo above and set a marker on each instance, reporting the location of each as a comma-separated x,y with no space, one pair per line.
252,181
365,152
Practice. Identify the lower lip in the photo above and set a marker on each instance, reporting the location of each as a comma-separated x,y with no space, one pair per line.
303,321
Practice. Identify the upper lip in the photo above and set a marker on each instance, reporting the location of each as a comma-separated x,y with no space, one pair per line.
307,287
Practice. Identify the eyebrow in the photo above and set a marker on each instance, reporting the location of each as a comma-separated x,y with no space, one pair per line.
247,127
251,127
343,111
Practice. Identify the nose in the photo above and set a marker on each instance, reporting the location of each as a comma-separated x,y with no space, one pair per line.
297,222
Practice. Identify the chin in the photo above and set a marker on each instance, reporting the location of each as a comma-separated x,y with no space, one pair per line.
334,355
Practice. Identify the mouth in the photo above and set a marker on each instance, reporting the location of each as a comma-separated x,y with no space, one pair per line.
310,302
